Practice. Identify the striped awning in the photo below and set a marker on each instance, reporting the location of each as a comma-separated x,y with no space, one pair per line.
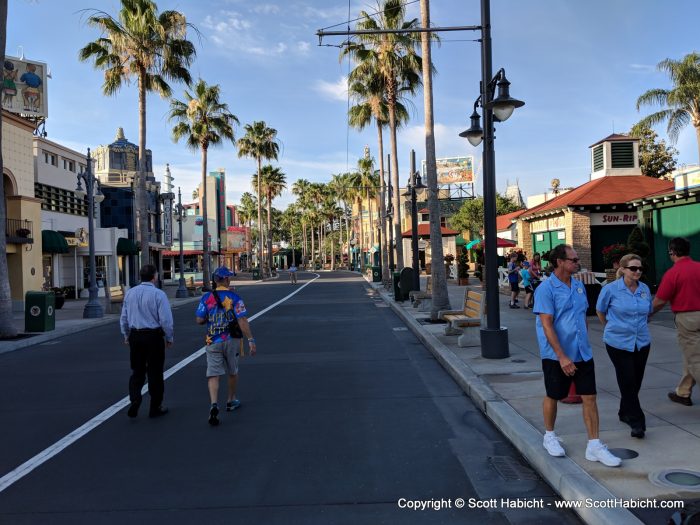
53,242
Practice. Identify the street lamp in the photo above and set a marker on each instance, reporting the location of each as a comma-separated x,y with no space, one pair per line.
92,309
415,185
181,217
494,338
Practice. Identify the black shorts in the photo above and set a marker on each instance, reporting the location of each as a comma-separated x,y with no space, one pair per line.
514,287
557,383
528,289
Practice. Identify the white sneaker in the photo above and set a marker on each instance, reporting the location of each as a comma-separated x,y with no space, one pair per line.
551,443
601,453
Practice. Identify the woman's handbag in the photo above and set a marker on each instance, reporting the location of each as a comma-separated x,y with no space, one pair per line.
234,328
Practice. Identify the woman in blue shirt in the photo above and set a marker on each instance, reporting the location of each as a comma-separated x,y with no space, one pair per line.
624,307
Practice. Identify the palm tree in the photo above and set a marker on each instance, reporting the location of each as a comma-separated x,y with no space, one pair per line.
394,57
7,325
441,299
301,188
681,103
204,121
368,184
272,184
259,142
153,49
246,212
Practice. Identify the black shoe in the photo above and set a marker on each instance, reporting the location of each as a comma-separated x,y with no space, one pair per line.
214,415
514,306
133,410
637,433
157,412
680,399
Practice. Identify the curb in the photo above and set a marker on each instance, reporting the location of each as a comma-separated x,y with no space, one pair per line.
11,346
567,478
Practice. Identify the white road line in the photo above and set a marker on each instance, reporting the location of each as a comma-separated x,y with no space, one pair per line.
46,454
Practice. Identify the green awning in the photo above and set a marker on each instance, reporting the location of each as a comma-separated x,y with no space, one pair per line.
126,247
461,241
53,242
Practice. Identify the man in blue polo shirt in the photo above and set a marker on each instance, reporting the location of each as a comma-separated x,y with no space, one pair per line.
562,335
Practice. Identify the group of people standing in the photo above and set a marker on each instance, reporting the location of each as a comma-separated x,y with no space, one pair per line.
529,273
624,307
147,327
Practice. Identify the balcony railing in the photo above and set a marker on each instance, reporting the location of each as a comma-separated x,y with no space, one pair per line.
19,231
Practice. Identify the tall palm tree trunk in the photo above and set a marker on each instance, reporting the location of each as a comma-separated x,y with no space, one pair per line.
141,203
269,229
7,325
260,239
398,212
206,276
333,244
385,238
304,253
347,235
362,234
313,251
441,299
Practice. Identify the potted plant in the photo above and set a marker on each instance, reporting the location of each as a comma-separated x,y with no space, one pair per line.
611,257
463,269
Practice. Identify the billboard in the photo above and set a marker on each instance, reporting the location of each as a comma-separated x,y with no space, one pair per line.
24,87
453,170
236,239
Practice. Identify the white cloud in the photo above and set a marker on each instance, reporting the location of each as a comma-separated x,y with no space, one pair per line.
643,68
448,143
303,47
333,90
266,9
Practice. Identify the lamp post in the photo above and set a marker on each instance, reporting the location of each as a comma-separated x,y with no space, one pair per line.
92,309
181,217
415,184
494,338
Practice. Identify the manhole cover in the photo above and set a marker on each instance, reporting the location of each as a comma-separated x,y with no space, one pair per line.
624,453
677,478
511,469
428,320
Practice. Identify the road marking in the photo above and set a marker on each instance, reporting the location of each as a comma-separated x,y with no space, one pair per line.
46,454
400,329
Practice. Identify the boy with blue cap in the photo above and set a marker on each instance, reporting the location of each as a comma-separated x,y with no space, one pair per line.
217,309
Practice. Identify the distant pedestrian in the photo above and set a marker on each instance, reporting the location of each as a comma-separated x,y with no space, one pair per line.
513,278
293,273
536,267
147,326
562,335
527,283
217,309
624,307
681,287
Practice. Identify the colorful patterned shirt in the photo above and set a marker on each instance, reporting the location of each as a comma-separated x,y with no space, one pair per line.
218,319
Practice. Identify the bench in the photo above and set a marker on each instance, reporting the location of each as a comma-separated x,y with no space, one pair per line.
116,294
420,298
467,321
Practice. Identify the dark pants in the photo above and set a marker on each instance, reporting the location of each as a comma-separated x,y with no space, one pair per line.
629,369
147,359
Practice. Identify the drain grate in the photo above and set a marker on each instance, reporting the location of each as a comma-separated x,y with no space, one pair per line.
677,478
511,469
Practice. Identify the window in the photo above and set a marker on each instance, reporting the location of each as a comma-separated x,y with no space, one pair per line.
443,223
598,158
622,154
69,165
424,217
50,158
60,200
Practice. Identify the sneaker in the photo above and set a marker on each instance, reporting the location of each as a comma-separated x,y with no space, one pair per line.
233,405
600,452
551,442
514,306
214,415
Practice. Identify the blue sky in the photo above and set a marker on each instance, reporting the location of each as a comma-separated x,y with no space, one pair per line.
579,67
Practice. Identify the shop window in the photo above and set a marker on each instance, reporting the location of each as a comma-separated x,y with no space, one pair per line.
539,237
561,236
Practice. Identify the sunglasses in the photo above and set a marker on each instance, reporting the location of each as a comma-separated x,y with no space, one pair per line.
634,268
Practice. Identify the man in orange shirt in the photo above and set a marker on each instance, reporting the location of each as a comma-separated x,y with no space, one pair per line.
681,287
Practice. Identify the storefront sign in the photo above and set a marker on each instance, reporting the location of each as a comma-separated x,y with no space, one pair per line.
24,87
549,224
613,219
168,219
452,170
80,240
236,239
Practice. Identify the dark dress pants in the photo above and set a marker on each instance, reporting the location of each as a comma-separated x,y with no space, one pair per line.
147,360
629,369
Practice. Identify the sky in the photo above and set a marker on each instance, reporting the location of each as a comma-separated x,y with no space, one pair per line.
578,66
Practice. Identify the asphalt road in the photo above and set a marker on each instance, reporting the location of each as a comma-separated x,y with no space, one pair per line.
344,414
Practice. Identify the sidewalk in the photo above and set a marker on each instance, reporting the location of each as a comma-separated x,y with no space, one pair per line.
510,391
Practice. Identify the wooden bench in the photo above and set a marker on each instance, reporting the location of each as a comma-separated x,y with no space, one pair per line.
116,294
467,321
422,298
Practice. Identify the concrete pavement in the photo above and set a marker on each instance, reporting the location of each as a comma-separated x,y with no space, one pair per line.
509,391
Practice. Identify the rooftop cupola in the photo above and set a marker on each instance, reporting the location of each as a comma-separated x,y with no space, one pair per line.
615,155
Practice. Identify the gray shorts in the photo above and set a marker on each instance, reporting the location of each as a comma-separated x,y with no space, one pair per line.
222,358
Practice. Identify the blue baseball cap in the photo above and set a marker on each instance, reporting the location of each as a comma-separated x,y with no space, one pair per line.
526,263
222,273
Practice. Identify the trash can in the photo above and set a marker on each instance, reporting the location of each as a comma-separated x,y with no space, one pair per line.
406,282
376,274
39,312
396,276
256,274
